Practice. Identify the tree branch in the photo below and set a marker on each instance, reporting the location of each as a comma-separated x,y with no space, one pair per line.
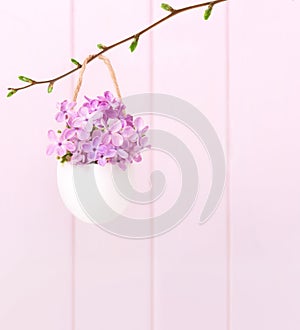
135,37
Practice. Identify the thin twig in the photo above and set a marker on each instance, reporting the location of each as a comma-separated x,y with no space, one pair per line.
135,36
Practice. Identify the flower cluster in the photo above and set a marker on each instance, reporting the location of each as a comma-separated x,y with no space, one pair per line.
99,132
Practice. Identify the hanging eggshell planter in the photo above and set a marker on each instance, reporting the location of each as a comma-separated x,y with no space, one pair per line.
68,176
67,190
97,135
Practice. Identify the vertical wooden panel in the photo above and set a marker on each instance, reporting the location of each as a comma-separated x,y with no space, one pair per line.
35,227
264,107
112,274
190,261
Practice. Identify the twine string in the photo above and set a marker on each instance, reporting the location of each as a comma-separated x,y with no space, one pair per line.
111,72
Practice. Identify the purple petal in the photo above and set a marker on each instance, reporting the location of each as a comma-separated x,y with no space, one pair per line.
86,147
101,161
102,149
95,104
103,122
125,144
83,111
50,149
115,126
121,109
69,133
111,153
70,146
134,137
60,151
60,117
137,158
92,155
117,139
136,148
61,105
77,122
122,153
96,115
129,120
101,98
139,123
88,126
78,159
96,141
111,113
52,136
106,138
78,146
144,141
83,135
109,96
128,131
97,132
144,130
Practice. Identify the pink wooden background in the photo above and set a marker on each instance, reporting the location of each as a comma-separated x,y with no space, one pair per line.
241,270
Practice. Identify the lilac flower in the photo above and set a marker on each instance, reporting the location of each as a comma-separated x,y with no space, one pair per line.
99,132
78,132
128,132
110,105
92,148
92,104
139,124
143,142
104,153
82,125
85,120
129,120
122,153
65,110
102,103
96,132
59,144
140,128
122,163
109,99
78,156
112,134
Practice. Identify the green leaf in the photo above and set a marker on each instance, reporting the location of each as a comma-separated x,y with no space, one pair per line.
11,93
25,79
66,157
75,62
50,87
134,44
101,46
207,12
166,7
